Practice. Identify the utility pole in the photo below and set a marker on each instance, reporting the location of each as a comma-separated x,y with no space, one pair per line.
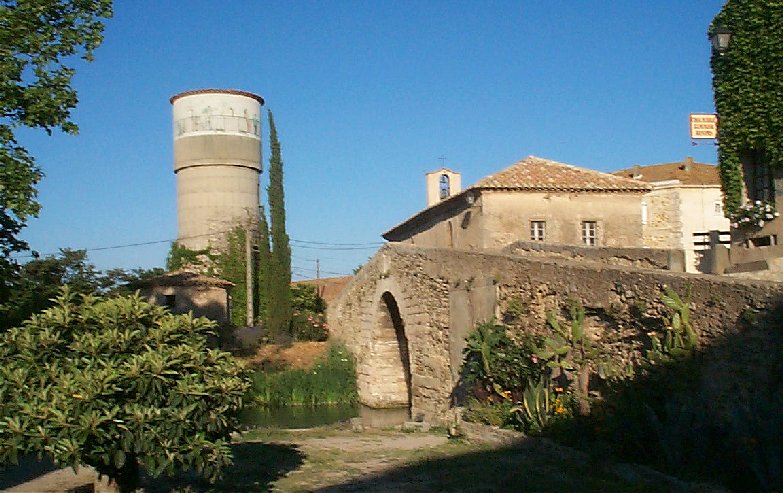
249,277
317,268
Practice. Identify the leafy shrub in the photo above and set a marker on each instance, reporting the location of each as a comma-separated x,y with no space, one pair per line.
499,365
489,413
331,380
309,326
116,383
305,298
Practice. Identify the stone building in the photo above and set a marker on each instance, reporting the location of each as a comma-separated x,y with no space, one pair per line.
534,200
684,209
182,291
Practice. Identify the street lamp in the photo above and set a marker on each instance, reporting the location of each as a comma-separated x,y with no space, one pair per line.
720,38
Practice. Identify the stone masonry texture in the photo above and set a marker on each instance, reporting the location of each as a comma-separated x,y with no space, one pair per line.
442,293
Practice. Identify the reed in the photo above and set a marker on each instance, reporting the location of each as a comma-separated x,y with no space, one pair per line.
331,380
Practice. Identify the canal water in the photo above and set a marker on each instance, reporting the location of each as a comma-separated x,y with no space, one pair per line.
297,417
294,417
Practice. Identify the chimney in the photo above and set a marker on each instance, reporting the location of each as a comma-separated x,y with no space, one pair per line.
636,172
687,165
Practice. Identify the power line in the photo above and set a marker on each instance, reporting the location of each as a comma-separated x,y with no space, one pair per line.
337,248
322,245
369,244
300,271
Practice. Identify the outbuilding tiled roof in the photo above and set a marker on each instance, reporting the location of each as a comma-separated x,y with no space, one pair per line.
537,174
687,172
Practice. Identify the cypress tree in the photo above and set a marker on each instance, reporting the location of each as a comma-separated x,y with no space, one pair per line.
279,308
263,268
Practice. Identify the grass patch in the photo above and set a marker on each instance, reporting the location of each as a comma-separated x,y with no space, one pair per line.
331,380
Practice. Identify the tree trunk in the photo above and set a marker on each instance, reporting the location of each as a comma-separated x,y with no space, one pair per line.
125,479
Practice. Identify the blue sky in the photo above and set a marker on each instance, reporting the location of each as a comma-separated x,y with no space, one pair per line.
367,96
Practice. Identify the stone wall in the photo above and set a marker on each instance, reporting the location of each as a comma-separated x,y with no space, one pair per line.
650,258
664,224
442,293
203,301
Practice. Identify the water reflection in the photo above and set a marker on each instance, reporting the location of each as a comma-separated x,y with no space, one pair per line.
297,416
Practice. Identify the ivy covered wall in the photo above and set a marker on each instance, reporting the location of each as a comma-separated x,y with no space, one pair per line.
748,85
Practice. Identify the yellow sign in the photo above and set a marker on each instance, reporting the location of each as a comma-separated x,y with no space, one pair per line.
704,126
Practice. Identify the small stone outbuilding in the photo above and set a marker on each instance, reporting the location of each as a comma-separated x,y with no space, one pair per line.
183,291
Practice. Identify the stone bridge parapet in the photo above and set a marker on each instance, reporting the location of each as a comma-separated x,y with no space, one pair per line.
406,314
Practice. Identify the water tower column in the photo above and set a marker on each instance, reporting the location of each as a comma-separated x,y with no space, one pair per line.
217,162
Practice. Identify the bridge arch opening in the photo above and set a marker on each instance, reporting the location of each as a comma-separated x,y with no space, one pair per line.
392,354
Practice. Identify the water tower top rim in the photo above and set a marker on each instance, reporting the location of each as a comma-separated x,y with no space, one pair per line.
235,92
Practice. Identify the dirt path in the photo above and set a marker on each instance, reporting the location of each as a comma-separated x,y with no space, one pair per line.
347,457
56,481
336,459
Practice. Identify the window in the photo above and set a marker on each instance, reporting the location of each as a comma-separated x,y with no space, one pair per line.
718,208
537,230
170,300
760,184
590,233
644,212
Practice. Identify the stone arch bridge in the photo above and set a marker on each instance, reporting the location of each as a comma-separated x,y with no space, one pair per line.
406,314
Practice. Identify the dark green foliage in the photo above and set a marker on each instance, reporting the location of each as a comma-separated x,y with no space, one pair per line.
116,383
263,269
748,83
37,40
332,380
181,256
308,322
309,326
278,309
40,280
499,365
305,298
230,263
489,413
679,339
121,282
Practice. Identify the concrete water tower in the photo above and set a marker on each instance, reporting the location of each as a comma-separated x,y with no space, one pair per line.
217,161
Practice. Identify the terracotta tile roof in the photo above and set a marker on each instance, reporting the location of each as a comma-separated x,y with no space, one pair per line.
184,278
687,171
537,174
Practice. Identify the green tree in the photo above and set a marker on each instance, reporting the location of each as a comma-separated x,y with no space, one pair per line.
305,298
37,41
181,256
39,282
118,384
231,265
263,267
748,83
122,282
279,304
